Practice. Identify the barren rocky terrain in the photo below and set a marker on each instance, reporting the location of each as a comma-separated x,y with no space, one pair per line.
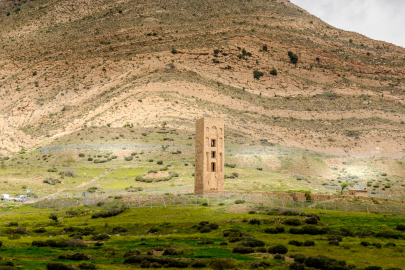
66,65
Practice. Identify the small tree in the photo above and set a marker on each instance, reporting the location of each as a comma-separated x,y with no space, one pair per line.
293,57
343,186
257,74
54,217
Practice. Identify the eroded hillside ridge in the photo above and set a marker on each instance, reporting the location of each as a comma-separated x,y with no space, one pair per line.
67,65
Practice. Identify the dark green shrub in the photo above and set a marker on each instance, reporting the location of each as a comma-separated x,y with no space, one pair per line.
257,74
400,227
335,238
174,51
296,266
292,222
265,47
109,213
280,229
243,249
119,229
261,250
153,230
274,72
40,230
373,268
216,61
230,165
271,231
59,266
387,235
311,220
279,257
129,158
100,237
219,264
199,264
309,243
87,265
159,162
53,217
293,57
81,155
239,201
258,264
390,244
254,221
296,243
90,159
132,252
223,244
251,242
77,256
98,244
171,251
299,258
213,226
278,249
205,230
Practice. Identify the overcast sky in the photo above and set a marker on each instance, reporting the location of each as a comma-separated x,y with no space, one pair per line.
378,19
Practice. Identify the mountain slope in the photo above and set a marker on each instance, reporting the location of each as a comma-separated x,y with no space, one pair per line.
65,65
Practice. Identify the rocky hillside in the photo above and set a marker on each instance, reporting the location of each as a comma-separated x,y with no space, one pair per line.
66,64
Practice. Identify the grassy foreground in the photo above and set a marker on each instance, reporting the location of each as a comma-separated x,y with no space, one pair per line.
176,230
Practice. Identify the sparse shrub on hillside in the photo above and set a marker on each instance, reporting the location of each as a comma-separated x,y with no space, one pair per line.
400,227
265,47
77,256
230,165
278,249
59,266
82,155
239,201
52,170
257,74
243,250
216,61
90,159
109,213
159,162
68,172
254,221
87,265
174,51
129,158
292,222
51,181
222,263
274,72
293,57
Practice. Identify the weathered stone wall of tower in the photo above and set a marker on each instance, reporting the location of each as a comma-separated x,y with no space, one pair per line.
209,155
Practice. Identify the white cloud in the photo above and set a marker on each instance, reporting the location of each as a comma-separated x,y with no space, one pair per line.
378,19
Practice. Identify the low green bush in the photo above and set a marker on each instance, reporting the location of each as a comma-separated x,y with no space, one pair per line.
59,266
278,249
109,213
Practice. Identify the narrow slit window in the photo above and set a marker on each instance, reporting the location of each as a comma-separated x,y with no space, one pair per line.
213,167
212,143
213,154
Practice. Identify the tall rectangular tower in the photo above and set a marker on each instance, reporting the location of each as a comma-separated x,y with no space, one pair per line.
209,155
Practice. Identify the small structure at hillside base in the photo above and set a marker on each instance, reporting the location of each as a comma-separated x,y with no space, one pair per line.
358,191
209,156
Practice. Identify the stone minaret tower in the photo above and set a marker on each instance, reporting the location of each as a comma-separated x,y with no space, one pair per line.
209,155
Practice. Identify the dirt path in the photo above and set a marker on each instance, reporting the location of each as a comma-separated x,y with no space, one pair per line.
79,186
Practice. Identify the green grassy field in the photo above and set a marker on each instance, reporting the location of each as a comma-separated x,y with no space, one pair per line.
150,230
